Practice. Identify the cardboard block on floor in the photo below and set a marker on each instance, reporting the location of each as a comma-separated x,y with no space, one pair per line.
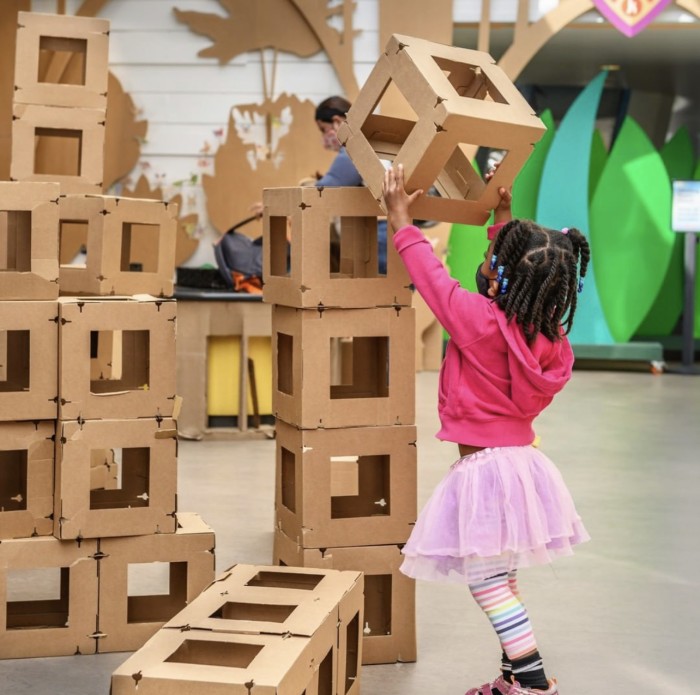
28,360
390,614
331,257
353,486
140,380
356,367
144,503
460,100
26,479
28,240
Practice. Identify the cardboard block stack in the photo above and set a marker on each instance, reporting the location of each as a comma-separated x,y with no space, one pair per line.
94,555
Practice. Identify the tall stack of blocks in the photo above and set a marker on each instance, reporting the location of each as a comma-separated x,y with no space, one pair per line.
88,450
343,395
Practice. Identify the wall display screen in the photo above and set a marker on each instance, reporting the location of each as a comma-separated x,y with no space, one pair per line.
685,207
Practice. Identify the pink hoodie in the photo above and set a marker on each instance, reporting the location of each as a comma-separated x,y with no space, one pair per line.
492,383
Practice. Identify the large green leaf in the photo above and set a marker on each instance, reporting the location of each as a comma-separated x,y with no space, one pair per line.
630,230
678,155
465,251
599,155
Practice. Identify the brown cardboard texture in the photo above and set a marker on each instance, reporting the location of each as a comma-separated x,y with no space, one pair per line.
331,258
144,503
104,470
141,381
28,240
460,100
45,44
28,360
130,245
26,479
146,580
356,367
48,597
51,143
390,613
354,486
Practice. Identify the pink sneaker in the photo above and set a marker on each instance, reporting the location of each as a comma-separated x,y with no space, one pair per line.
517,689
499,686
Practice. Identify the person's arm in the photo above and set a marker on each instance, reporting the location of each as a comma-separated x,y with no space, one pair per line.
342,172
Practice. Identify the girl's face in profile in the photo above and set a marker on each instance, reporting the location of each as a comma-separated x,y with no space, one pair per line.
329,133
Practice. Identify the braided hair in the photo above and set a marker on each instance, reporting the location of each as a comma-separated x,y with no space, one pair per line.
543,268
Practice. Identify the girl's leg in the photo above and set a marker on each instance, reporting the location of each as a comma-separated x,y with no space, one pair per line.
498,597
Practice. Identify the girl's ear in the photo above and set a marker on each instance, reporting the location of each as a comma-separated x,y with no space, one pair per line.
493,288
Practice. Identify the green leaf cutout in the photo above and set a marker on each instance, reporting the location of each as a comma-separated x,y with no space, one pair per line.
599,155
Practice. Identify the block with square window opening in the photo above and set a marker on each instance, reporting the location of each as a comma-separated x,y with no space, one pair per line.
48,597
116,246
147,580
116,358
356,366
144,499
353,486
61,60
28,360
321,248
28,240
389,628
460,100
26,479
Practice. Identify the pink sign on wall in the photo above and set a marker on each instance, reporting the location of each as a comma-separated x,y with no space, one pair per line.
630,16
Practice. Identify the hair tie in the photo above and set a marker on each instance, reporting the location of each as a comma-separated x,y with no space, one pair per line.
565,230
580,285
499,275
504,286
493,262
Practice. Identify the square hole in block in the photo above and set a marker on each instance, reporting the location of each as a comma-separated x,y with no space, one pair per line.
359,367
119,361
15,240
289,484
469,80
73,239
257,612
370,480
211,653
139,247
13,480
132,486
58,151
285,362
286,580
64,50
352,652
358,248
325,675
156,591
377,604
37,598
280,250
14,361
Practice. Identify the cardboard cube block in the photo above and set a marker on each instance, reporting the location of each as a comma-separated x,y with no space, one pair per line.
61,60
28,240
331,256
356,367
145,501
460,100
52,143
146,580
389,627
354,486
128,244
48,597
139,380
26,479
28,360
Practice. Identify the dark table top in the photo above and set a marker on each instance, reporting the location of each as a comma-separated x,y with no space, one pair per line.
200,295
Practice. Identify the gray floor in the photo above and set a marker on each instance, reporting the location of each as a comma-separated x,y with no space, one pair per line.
621,616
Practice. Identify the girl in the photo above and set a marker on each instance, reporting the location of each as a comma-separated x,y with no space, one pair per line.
503,504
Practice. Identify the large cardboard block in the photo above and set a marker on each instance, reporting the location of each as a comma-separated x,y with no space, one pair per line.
28,240
311,269
26,479
460,100
129,244
146,580
48,597
144,503
355,366
141,379
390,609
51,143
45,43
28,360
354,486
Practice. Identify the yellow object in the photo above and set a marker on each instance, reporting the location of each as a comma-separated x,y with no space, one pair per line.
223,374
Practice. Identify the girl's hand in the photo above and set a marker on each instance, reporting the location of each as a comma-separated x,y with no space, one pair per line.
396,199
502,211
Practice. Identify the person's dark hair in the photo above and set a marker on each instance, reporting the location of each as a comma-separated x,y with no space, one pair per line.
333,106
543,268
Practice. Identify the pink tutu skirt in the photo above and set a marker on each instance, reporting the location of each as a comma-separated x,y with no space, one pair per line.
496,510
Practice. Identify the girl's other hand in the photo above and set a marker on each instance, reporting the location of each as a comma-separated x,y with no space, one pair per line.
396,199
